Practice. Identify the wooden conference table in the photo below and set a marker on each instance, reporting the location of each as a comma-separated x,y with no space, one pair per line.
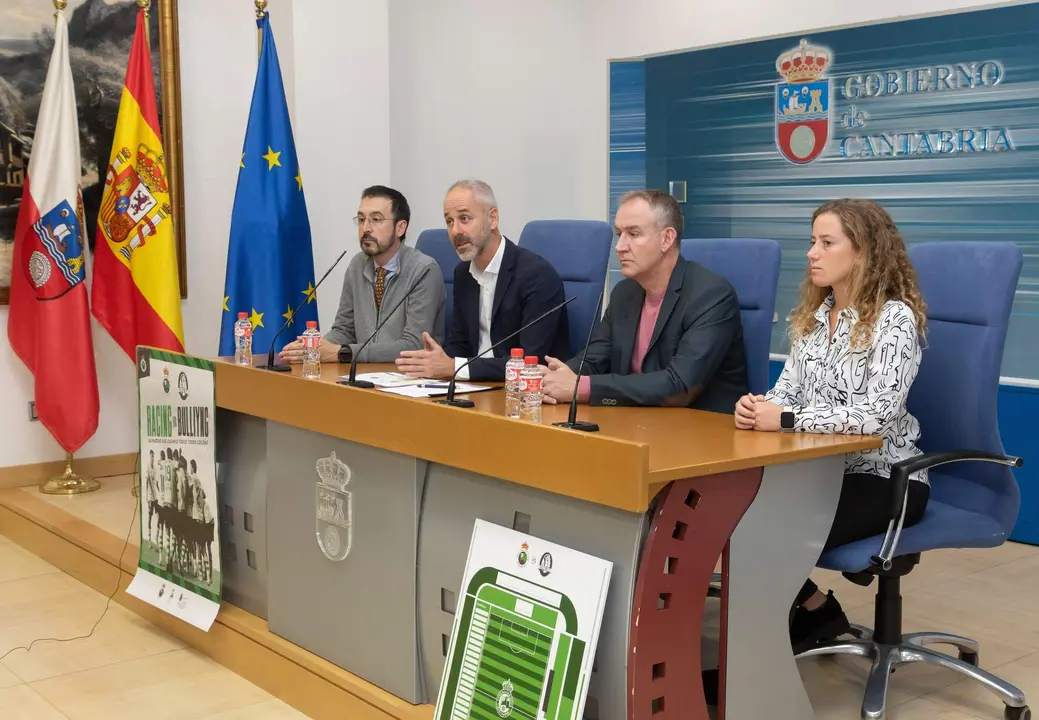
659,492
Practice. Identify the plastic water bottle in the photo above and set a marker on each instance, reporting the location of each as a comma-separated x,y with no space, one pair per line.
311,351
530,400
243,340
513,386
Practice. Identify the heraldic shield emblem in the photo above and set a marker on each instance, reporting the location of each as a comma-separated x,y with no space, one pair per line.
803,118
136,198
53,256
335,515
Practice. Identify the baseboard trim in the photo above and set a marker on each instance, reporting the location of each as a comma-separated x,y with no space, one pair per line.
237,640
101,466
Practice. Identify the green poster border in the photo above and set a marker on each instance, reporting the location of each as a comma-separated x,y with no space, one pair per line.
185,360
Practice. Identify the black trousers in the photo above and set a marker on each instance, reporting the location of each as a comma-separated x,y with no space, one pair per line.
862,512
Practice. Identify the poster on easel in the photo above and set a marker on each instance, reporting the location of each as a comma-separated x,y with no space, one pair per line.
178,570
525,630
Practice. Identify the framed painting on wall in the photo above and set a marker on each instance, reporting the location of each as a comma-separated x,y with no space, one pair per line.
100,34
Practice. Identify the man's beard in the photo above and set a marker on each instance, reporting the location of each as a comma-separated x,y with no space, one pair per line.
371,248
472,247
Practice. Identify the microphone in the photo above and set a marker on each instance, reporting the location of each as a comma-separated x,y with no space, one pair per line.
572,423
270,353
466,403
353,381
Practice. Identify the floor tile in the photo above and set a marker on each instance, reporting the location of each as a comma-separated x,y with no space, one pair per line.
175,686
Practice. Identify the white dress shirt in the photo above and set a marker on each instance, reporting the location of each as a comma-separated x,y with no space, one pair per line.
487,279
833,389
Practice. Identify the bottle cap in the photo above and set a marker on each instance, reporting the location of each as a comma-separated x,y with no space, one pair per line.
243,316
530,360
517,352
311,324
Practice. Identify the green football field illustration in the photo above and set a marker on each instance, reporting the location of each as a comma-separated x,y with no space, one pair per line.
514,656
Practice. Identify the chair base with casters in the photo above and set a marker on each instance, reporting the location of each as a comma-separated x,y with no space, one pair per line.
888,647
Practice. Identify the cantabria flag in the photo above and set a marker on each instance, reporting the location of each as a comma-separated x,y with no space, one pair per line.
49,323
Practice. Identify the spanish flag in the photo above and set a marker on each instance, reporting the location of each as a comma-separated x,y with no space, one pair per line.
136,291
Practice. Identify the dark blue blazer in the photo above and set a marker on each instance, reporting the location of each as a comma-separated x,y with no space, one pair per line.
528,286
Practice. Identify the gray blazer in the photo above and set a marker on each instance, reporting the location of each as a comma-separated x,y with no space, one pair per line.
423,311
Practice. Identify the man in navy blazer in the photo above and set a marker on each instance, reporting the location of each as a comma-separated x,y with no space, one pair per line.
498,288
671,335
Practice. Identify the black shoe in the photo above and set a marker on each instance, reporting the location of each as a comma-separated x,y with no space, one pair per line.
811,627
711,680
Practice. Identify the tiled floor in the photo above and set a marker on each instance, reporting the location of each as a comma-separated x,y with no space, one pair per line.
131,669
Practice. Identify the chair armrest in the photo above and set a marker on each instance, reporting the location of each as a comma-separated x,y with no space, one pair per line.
900,473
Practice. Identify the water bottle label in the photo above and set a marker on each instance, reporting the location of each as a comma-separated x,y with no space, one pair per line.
511,374
532,384
311,342
243,330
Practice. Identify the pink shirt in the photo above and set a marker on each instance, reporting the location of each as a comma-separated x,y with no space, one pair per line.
647,321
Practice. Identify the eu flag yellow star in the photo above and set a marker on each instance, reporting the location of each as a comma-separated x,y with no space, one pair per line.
226,298
272,158
288,315
299,178
242,161
310,293
256,319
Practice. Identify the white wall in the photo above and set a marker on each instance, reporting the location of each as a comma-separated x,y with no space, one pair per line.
487,90
341,124
518,92
340,119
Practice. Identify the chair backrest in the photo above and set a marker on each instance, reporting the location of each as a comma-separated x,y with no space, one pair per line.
969,290
579,250
438,246
751,265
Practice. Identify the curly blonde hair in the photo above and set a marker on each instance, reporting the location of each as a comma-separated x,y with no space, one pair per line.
881,272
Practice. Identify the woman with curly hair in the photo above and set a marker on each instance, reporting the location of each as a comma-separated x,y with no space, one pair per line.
854,353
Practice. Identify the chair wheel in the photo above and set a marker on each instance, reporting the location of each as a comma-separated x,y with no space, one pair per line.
1017,713
969,658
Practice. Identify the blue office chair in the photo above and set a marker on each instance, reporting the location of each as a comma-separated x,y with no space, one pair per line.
438,246
974,496
752,267
579,250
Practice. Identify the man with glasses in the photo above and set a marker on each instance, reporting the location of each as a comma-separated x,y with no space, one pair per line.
377,278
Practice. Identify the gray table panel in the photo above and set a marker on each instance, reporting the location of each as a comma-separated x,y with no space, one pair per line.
771,553
358,613
241,475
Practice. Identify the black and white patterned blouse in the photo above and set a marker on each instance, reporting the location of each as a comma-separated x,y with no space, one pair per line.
834,389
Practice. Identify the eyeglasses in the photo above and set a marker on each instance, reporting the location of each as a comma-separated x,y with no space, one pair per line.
374,220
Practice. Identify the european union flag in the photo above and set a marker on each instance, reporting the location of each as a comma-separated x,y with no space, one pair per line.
270,261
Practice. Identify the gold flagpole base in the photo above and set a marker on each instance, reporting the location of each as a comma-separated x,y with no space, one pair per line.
69,483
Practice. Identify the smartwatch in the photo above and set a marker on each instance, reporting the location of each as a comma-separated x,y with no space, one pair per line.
786,420
345,354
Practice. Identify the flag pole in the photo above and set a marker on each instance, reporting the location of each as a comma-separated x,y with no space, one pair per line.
261,10
68,483
144,5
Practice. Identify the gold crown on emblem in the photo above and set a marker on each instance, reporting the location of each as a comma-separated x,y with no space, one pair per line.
152,169
333,472
804,63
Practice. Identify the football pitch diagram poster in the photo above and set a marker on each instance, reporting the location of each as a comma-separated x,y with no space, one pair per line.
179,566
525,629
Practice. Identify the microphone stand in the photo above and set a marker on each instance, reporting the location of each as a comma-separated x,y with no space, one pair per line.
572,423
270,353
367,384
467,403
